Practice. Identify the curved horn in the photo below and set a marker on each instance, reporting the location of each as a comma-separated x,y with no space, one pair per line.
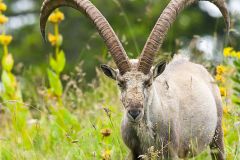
163,24
105,30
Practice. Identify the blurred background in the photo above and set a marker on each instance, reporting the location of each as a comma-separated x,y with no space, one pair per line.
200,28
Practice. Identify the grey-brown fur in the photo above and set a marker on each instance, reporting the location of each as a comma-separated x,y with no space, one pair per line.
180,110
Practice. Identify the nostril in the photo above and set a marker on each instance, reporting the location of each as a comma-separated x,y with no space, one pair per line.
134,113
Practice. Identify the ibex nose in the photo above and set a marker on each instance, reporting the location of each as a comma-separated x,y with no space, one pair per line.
134,113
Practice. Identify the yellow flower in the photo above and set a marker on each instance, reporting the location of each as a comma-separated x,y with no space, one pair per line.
223,91
55,40
106,132
56,17
221,69
5,39
106,155
219,78
238,54
227,51
3,19
3,7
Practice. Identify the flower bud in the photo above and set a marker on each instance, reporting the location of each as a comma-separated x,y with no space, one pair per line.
5,39
3,19
3,7
7,62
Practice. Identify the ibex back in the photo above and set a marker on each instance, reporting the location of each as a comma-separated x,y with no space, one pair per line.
176,107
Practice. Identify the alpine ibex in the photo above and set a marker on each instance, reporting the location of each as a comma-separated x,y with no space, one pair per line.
175,107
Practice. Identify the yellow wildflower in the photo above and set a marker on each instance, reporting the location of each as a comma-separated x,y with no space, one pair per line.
221,69
3,19
5,39
227,51
56,17
223,91
3,7
106,155
55,40
238,54
106,132
219,78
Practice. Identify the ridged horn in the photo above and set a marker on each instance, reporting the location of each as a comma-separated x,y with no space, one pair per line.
163,24
105,30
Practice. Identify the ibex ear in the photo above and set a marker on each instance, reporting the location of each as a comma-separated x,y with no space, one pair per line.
108,71
159,68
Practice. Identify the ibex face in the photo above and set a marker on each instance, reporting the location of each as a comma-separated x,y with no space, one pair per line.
135,88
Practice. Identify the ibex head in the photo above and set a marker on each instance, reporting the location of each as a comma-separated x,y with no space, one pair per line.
135,87
134,77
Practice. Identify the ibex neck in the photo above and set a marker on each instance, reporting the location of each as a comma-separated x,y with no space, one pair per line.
144,133
153,111
153,115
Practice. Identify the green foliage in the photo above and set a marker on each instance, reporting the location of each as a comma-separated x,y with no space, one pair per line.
9,82
236,79
58,64
55,83
7,62
61,134
64,132
231,104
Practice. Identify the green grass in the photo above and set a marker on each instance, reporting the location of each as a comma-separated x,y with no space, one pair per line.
74,131
60,134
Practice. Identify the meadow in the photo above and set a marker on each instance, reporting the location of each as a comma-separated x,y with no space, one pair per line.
55,115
